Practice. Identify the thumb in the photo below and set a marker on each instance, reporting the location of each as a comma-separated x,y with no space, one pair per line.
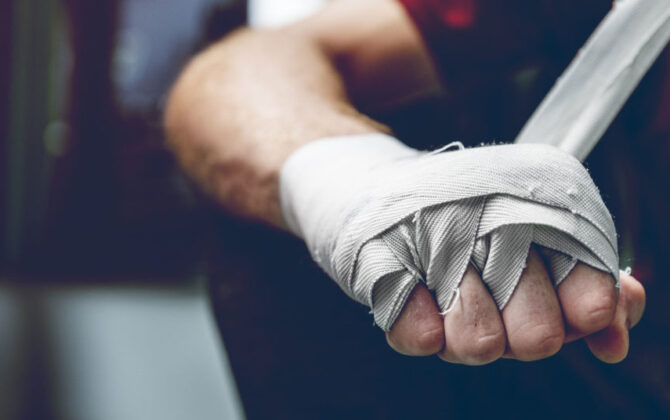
611,344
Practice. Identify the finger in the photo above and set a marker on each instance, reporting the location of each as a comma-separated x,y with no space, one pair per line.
532,316
611,344
474,332
418,331
634,298
588,298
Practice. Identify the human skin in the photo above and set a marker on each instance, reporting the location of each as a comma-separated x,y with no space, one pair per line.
243,105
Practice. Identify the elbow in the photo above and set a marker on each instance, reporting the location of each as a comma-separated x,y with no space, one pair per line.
171,119
176,112
191,92
183,98
181,117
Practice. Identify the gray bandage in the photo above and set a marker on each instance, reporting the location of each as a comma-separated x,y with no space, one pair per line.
380,217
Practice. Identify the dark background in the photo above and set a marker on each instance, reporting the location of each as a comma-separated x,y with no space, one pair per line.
87,182
88,190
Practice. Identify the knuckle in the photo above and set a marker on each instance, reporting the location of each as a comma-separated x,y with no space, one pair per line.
597,310
430,341
537,341
485,348
421,343
593,311
548,344
589,302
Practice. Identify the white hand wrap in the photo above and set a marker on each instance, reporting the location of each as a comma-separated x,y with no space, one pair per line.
379,217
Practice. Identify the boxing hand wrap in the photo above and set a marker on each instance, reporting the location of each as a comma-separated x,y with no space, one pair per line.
380,217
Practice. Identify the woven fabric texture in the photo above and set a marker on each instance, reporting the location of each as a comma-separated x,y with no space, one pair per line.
380,217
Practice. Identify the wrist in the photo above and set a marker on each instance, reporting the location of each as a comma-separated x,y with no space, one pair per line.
324,176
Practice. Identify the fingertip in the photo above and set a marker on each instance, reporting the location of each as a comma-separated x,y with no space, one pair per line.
609,345
418,331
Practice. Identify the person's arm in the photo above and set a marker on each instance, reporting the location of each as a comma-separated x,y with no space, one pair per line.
246,103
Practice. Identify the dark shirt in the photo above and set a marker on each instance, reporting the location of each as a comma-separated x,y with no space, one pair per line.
299,348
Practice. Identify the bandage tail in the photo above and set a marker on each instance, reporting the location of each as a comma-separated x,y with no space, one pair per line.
593,89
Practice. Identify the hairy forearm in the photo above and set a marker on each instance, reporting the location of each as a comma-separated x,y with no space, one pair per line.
245,104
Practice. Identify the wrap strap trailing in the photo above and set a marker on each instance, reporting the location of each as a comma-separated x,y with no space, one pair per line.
380,217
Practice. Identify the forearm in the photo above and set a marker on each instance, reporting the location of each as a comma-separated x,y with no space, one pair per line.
245,104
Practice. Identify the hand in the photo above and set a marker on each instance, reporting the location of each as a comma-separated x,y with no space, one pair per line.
535,323
401,231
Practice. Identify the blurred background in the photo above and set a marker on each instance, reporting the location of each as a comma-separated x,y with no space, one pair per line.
112,267
104,310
